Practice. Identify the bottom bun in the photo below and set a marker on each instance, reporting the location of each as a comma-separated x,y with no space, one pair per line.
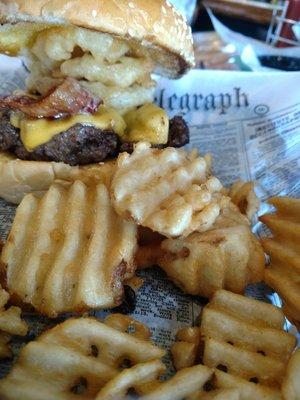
19,177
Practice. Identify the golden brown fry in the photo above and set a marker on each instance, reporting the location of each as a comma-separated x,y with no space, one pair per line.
245,339
186,348
230,216
247,390
168,191
228,258
246,309
283,274
184,354
69,251
243,195
124,323
249,349
138,378
244,363
291,382
219,394
10,324
287,206
183,384
224,326
143,378
185,351
79,352
86,359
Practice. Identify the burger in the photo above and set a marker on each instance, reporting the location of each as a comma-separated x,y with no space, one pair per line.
90,85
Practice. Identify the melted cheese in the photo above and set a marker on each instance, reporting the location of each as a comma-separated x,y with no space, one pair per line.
35,132
149,123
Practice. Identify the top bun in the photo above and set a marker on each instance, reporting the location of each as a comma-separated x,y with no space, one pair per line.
154,24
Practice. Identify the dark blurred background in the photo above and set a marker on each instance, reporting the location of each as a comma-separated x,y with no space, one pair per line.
275,22
250,17
257,30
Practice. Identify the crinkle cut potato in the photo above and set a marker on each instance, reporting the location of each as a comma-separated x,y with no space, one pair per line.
68,251
87,359
10,324
291,381
283,274
169,191
75,359
244,340
228,256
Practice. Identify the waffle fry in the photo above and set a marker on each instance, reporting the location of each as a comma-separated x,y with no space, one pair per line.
283,275
183,384
250,349
219,394
291,382
224,258
168,191
75,360
10,324
137,378
185,351
144,380
230,216
124,323
243,195
243,340
247,390
69,251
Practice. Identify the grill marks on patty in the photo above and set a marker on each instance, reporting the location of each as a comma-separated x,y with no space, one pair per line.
81,144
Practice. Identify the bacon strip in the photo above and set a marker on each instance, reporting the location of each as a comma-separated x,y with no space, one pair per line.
67,98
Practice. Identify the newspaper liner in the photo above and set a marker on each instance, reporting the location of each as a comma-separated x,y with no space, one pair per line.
250,127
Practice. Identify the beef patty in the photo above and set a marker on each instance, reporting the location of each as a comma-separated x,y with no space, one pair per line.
81,144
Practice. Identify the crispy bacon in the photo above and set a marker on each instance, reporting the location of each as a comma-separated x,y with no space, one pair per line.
67,98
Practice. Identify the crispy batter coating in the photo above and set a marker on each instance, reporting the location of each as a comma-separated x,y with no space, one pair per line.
168,191
226,257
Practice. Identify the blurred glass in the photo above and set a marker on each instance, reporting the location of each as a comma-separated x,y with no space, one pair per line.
187,7
212,53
